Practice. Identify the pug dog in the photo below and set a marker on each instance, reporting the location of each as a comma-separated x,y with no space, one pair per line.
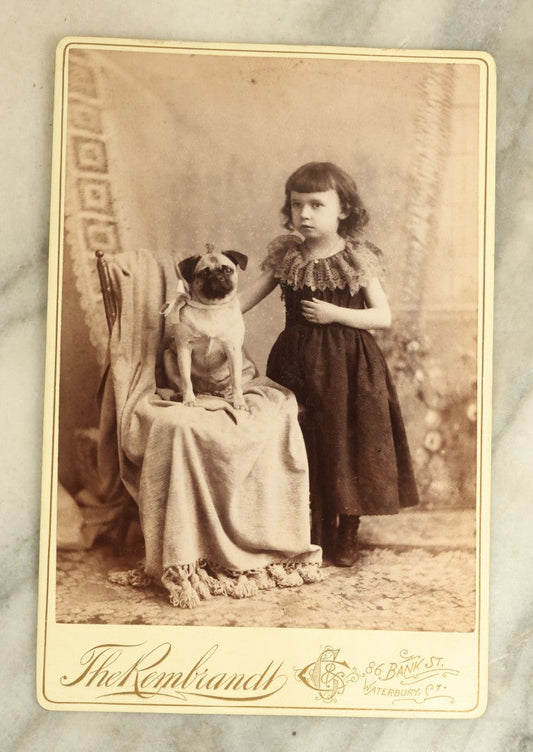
208,328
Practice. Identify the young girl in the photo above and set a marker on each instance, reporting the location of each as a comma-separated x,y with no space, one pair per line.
328,273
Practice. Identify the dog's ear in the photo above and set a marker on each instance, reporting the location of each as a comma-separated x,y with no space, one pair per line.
187,267
239,259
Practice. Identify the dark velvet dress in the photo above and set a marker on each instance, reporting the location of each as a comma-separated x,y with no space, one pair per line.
357,447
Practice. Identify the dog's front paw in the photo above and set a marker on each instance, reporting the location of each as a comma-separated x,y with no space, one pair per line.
239,403
189,400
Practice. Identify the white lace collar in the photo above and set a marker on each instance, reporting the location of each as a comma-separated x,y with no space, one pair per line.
353,266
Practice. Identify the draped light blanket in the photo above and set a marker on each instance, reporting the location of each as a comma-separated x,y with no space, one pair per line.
222,494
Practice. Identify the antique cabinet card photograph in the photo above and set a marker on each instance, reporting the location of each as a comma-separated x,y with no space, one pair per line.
268,390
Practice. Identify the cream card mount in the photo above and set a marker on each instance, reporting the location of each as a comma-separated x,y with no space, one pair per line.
162,148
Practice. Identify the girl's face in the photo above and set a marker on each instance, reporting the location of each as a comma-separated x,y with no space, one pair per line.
316,215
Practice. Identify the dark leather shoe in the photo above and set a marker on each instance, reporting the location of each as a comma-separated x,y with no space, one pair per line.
347,549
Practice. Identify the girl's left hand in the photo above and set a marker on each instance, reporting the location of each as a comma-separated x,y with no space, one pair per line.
319,312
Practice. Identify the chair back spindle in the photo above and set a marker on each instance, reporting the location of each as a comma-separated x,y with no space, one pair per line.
106,286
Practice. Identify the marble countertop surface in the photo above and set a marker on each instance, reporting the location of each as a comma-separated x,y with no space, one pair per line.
31,31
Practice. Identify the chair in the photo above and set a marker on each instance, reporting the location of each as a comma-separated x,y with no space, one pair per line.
202,478
118,533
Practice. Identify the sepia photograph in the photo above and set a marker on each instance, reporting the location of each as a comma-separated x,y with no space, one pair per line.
326,477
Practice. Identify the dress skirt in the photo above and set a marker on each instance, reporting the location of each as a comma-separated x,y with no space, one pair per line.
352,423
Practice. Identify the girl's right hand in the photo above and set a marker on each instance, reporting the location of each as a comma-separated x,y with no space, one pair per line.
319,312
376,315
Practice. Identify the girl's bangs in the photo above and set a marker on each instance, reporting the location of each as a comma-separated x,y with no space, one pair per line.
312,181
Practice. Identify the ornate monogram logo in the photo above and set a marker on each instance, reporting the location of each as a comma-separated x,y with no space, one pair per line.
327,675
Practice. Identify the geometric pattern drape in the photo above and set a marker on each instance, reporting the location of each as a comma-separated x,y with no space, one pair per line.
91,224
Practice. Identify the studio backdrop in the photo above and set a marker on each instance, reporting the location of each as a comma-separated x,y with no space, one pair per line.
168,152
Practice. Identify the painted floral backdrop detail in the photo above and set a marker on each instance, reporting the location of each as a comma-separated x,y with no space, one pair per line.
443,419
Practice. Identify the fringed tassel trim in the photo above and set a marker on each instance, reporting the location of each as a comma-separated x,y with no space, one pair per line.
189,584
310,573
284,577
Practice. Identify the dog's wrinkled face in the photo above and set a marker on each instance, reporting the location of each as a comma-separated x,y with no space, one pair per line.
212,277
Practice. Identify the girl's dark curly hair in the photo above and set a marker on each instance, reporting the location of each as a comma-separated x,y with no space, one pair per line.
315,177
